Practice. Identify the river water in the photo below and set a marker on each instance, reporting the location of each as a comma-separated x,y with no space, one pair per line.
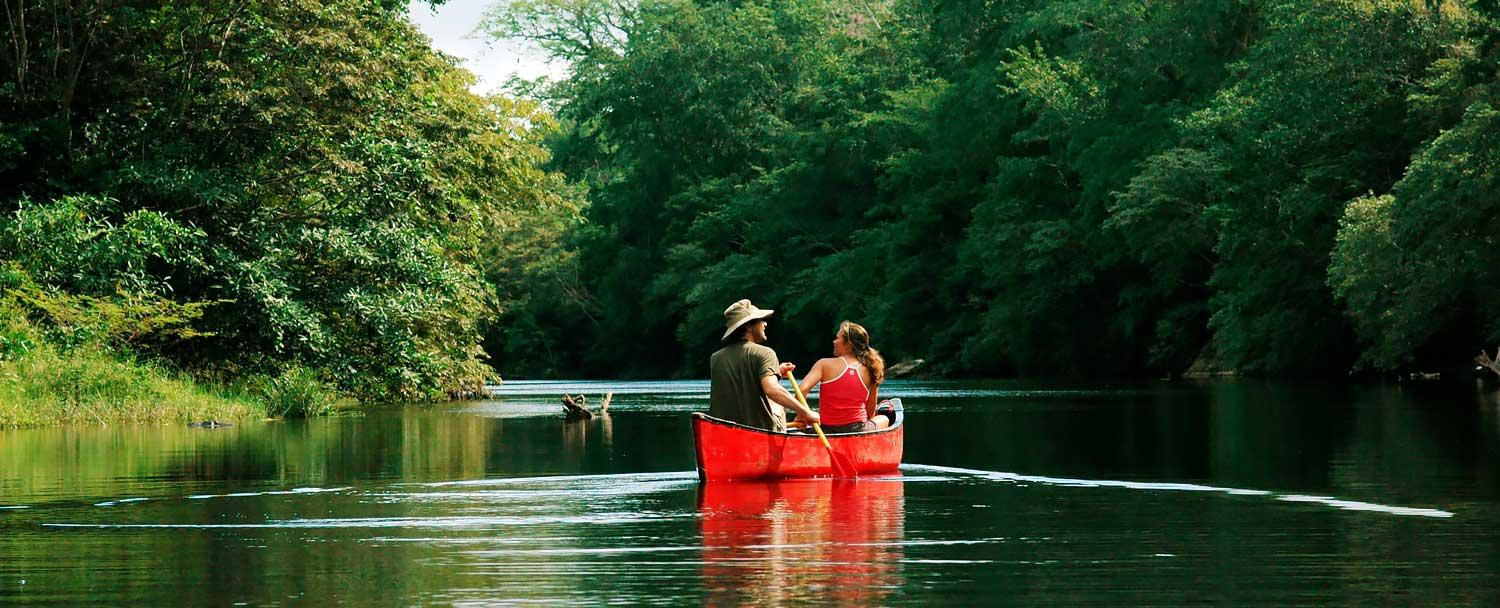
1012,494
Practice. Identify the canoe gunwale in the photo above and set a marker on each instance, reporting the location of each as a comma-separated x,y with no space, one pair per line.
895,424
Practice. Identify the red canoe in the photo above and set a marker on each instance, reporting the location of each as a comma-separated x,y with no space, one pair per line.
731,451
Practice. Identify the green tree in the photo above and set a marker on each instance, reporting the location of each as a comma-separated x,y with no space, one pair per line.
1073,187
315,164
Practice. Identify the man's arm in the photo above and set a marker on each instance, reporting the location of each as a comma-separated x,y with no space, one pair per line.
775,392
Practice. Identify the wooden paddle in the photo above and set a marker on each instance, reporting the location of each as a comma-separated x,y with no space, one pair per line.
841,465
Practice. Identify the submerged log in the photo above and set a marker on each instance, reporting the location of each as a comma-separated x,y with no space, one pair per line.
573,408
576,408
1484,360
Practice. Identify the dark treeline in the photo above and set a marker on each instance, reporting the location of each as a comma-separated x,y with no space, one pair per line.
1047,187
255,188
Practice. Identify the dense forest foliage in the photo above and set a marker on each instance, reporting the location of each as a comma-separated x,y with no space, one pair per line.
272,188
306,190
1033,187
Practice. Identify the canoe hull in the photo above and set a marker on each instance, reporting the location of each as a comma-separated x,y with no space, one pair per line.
729,451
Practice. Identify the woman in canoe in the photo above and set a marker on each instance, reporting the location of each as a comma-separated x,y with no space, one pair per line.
848,383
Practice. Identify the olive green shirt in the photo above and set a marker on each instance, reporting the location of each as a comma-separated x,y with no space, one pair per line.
735,393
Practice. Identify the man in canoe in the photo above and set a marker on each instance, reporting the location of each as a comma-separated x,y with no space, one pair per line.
745,376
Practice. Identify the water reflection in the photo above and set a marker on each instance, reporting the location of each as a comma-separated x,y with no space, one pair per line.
776,542
1234,493
576,434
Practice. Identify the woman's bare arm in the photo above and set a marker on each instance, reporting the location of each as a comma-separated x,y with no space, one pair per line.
814,376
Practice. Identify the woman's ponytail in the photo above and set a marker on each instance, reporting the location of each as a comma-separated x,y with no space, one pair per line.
859,343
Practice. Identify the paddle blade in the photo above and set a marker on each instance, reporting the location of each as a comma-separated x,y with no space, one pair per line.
842,467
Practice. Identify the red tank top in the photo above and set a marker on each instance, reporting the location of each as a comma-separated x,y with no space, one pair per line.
842,399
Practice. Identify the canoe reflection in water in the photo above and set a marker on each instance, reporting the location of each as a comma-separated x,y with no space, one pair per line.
773,542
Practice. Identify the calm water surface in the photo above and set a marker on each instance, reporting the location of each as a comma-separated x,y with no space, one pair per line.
1232,493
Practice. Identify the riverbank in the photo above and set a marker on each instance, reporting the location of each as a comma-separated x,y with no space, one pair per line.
47,388
86,361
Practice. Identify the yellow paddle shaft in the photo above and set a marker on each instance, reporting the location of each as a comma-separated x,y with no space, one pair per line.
797,388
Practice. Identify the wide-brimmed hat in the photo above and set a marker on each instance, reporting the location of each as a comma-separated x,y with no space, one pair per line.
740,313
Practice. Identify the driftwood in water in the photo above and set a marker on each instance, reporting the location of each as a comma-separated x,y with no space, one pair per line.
1484,360
576,408
573,408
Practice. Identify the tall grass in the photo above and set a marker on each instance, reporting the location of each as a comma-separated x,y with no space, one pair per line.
75,365
297,393
45,387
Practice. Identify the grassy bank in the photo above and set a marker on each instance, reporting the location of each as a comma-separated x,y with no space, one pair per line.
46,387
68,359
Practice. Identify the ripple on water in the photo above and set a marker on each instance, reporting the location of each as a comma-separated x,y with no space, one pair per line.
651,529
570,480
529,501
403,522
269,493
111,503
1180,487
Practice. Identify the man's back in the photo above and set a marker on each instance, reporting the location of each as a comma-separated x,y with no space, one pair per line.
735,393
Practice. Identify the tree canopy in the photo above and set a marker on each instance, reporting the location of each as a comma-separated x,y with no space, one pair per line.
1071,187
313,169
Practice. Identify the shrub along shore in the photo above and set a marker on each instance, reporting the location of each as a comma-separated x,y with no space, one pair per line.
48,387
79,369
